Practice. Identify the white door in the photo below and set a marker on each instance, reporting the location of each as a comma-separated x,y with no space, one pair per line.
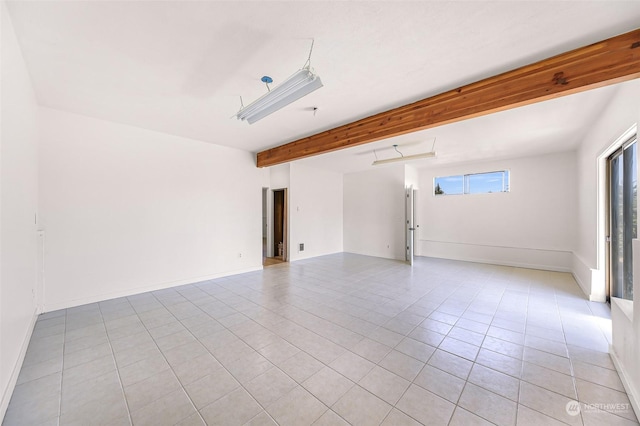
410,222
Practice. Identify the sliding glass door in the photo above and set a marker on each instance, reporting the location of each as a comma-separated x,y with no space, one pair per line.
622,218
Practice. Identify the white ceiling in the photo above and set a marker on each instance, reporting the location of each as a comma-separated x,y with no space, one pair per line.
179,67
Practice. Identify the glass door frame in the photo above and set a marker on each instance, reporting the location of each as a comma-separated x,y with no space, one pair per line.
617,153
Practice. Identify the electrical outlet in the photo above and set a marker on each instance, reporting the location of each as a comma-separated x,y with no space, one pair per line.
301,246
239,254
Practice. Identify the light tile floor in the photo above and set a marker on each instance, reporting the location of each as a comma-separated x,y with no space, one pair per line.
340,339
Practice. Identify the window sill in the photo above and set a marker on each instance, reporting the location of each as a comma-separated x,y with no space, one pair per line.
626,306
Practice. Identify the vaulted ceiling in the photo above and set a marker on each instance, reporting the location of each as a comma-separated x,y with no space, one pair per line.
181,67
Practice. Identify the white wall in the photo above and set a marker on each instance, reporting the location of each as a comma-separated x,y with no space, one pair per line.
615,118
315,211
374,212
126,210
280,176
411,176
533,225
18,207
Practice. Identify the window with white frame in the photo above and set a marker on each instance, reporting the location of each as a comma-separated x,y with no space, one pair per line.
472,183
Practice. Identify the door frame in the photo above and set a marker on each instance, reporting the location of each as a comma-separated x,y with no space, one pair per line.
604,207
285,225
622,143
410,223
265,222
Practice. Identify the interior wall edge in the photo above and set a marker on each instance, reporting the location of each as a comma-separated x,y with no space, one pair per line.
312,256
18,207
378,256
588,278
8,391
625,376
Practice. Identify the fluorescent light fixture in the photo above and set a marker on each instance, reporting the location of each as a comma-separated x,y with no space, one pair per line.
295,87
431,154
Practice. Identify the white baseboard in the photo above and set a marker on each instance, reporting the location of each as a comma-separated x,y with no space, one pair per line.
548,260
590,281
310,255
8,391
581,284
632,392
49,307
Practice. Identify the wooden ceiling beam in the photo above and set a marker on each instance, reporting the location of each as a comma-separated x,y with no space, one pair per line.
607,62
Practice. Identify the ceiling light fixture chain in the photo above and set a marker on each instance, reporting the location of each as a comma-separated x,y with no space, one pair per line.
307,65
402,157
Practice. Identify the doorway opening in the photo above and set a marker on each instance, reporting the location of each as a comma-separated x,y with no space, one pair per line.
622,193
265,227
275,249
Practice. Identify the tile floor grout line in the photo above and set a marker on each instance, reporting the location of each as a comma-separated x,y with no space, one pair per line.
170,367
523,349
115,363
571,369
549,390
326,365
466,382
182,386
238,381
64,342
273,365
225,368
574,378
427,363
306,328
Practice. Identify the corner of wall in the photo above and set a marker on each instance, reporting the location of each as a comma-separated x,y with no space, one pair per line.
8,391
632,392
18,202
590,280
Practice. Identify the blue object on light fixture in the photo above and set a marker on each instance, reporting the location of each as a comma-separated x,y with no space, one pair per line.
300,84
266,79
